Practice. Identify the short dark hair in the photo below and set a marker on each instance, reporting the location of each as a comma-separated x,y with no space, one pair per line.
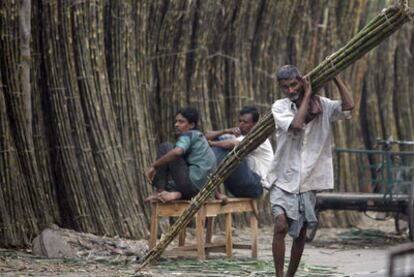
288,72
252,110
190,114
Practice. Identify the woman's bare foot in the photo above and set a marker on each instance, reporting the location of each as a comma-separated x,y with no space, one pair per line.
168,196
222,197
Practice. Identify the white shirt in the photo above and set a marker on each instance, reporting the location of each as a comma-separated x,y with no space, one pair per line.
303,159
259,160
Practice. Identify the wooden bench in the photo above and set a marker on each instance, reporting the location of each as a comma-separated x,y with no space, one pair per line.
361,201
206,213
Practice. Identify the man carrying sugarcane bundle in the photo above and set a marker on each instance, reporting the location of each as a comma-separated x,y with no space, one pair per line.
303,159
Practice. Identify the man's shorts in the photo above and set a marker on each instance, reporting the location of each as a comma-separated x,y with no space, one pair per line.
299,208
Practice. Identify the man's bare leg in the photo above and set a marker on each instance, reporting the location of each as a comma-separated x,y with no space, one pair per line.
296,252
167,196
278,245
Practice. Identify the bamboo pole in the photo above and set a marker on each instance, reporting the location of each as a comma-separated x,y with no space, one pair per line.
381,27
25,35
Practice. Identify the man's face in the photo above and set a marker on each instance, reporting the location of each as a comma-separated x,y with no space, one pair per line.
291,88
182,125
246,123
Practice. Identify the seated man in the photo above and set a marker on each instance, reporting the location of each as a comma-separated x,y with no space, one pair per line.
247,179
188,163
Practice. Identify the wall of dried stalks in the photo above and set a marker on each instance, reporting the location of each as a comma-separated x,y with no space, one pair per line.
88,88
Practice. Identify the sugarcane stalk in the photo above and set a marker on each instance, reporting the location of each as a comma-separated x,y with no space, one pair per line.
347,54
354,54
389,15
386,19
382,26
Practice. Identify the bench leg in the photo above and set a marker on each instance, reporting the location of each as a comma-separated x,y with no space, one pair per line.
181,237
253,229
210,229
200,220
209,233
154,226
229,236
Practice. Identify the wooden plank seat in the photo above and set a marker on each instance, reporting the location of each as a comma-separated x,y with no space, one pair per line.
361,201
206,214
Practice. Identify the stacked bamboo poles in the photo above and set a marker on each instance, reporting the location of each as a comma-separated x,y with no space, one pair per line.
196,61
108,155
384,103
378,29
384,111
80,192
144,141
70,166
403,117
129,76
41,120
94,176
17,217
27,187
170,59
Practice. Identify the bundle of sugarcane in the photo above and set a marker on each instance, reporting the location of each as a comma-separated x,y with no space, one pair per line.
377,30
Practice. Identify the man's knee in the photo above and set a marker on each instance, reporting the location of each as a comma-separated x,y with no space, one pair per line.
252,190
281,225
258,191
302,234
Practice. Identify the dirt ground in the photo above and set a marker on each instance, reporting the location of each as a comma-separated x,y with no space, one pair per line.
359,251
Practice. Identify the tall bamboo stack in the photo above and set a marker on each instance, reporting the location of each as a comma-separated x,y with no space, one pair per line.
108,76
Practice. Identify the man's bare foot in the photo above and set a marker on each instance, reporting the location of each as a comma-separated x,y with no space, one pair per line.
168,196
222,197
153,196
